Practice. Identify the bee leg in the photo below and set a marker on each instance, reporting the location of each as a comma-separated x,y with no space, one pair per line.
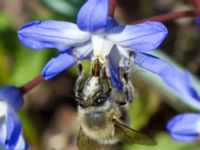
105,79
128,88
79,81
103,73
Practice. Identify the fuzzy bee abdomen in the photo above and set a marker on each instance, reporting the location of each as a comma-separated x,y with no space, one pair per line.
99,126
103,133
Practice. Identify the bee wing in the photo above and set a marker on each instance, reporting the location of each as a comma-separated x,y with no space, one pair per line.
131,136
86,143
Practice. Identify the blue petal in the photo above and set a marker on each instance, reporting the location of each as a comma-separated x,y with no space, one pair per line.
114,58
51,34
93,15
21,144
12,95
83,51
13,126
111,23
178,80
197,19
140,37
57,64
184,137
12,129
184,127
3,129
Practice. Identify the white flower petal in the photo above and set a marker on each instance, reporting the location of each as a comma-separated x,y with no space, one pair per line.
101,46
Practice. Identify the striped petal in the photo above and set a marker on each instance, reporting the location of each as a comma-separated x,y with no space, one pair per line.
140,37
51,34
93,15
178,80
184,127
58,64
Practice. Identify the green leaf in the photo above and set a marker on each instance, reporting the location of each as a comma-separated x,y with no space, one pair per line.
4,66
143,108
64,7
5,21
28,64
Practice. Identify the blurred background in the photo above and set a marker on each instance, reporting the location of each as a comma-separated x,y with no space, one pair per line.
49,116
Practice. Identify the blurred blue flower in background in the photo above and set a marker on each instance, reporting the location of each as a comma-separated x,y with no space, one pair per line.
10,126
197,19
184,127
99,35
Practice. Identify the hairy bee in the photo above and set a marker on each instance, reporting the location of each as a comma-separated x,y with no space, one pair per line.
102,111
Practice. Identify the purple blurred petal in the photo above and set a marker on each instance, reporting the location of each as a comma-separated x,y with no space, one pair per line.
140,37
178,80
13,126
51,34
10,128
3,129
184,127
58,64
12,96
93,15
21,144
197,19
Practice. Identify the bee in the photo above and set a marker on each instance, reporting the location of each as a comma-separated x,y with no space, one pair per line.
102,109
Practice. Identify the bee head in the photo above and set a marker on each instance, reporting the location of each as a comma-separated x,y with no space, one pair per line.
94,101
95,92
93,110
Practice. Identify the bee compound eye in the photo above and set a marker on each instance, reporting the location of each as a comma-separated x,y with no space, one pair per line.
100,100
81,104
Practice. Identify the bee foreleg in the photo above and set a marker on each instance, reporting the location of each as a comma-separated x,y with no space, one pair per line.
79,81
128,88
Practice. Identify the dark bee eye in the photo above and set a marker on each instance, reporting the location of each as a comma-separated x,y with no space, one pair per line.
100,100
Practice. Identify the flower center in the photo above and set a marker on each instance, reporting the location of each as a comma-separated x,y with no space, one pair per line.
101,46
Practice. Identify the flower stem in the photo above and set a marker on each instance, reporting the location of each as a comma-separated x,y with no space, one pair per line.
170,16
111,9
31,84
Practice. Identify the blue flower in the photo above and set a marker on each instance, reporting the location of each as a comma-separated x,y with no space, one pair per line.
184,127
10,126
197,19
98,35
